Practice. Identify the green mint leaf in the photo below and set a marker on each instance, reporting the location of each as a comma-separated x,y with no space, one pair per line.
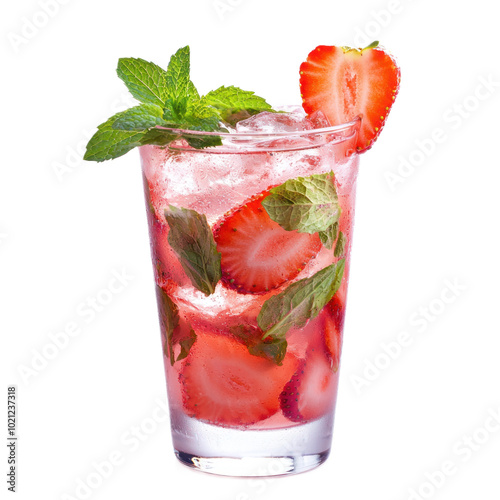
140,117
272,349
145,80
200,117
109,143
329,236
158,137
299,302
192,241
169,318
186,344
233,102
306,204
177,78
340,246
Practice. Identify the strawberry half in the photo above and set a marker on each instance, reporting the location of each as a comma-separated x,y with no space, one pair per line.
312,390
344,83
257,254
224,384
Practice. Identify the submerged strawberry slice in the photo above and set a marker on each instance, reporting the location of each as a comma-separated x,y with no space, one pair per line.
344,83
258,255
332,318
312,390
224,384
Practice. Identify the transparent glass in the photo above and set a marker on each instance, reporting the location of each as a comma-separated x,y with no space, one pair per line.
235,411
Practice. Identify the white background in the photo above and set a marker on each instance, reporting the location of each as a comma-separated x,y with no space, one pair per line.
63,236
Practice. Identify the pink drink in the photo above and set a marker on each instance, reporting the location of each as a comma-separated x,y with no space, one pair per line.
233,411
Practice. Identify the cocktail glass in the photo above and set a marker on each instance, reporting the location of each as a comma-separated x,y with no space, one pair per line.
234,412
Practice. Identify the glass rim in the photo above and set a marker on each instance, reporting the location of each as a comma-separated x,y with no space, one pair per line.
352,124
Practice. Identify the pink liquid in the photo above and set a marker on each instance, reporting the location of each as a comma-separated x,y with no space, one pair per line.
215,184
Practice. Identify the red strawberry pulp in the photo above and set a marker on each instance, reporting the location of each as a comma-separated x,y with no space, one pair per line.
258,255
310,393
224,384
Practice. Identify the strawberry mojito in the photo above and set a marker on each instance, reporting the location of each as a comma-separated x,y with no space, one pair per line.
250,211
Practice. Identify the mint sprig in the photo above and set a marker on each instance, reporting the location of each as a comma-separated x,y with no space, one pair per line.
169,99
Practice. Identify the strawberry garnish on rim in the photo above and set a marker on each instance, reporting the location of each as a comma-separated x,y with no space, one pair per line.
344,82
257,254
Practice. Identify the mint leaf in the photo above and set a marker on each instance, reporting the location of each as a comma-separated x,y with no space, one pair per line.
305,204
145,80
340,246
231,101
108,143
329,236
169,318
158,137
271,349
169,99
186,344
192,241
139,118
299,302
177,79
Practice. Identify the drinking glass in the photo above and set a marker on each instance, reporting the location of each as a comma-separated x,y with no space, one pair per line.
234,409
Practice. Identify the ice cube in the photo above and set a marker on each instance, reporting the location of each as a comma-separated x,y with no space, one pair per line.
268,123
318,120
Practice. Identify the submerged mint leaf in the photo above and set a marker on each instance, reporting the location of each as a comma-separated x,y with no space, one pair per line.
186,344
299,302
109,143
169,319
192,241
306,204
139,118
232,101
329,236
340,246
145,80
171,328
273,349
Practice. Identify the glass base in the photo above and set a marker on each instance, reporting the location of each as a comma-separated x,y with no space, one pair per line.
253,466
251,453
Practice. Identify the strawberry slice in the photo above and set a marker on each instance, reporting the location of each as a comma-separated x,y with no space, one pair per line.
224,384
258,255
332,317
344,83
312,390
